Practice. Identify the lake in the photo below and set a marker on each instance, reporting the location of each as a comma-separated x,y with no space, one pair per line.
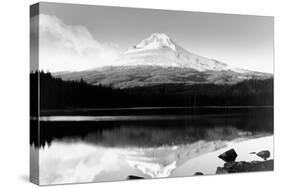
93,145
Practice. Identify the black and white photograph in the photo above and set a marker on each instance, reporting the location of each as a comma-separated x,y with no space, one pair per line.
121,93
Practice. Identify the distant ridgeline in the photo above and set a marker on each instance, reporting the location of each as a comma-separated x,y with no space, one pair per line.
56,93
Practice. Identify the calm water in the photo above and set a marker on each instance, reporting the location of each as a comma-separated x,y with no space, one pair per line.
104,145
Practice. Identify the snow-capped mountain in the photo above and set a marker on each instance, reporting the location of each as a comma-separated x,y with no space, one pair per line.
155,41
158,162
161,50
159,60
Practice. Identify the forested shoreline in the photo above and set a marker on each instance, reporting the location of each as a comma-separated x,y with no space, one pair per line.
56,93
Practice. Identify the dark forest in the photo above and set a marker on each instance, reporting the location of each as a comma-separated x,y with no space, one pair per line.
56,93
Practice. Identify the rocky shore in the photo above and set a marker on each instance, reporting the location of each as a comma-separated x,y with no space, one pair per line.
249,155
242,166
231,166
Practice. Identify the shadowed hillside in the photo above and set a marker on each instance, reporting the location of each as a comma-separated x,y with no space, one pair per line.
144,76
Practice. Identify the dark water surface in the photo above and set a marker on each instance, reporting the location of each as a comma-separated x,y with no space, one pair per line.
100,144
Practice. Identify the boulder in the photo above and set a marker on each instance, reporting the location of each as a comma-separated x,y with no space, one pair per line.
263,154
228,156
132,177
242,166
229,164
198,174
221,170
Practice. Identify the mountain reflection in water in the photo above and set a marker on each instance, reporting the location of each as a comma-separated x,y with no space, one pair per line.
86,150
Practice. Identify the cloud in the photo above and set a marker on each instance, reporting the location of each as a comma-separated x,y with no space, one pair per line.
76,162
70,47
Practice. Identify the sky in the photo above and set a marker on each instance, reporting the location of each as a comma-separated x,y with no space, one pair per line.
79,37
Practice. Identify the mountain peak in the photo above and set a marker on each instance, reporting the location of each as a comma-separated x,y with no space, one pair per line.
159,50
154,41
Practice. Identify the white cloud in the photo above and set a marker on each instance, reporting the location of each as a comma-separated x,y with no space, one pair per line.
76,162
70,47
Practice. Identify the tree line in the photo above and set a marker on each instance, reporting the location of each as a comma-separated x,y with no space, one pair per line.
55,93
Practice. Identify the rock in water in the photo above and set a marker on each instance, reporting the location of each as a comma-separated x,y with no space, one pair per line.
242,166
228,156
198,174
221,170
228,164
264,154
132,177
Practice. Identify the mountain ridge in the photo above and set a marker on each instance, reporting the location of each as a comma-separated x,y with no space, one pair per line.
159,60
140,76
159,49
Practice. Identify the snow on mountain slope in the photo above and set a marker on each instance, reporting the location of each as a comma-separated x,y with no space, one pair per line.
160,50
155,41
158,60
